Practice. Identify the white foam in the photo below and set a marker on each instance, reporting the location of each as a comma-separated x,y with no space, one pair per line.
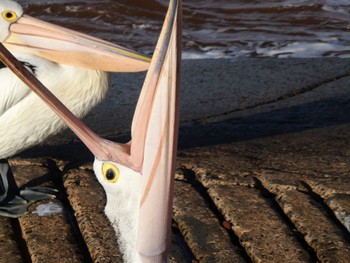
305,50
327,46
338,8
142,26
204,55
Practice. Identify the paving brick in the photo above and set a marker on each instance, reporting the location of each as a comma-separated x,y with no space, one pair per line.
277,182
261,230
209,176
177,253
330,242
88,201
340,205
335,190
9,250
326,187
301,133
201,229
48,238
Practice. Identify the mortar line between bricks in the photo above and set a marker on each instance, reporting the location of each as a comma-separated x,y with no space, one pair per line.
190,176
58,180
180,238
288,95
276,207
328,210
21,243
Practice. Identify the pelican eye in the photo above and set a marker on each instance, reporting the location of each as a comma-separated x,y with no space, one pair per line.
9,15
110,172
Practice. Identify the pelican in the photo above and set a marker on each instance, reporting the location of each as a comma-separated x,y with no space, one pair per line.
137,176
72,65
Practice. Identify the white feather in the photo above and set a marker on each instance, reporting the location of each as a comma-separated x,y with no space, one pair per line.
25,120
12,90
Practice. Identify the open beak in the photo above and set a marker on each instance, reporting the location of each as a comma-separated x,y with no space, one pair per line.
154,132
65,46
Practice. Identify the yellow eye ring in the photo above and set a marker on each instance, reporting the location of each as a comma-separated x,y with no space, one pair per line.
9,15
110,172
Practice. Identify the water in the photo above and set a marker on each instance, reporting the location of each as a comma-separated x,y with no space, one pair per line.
213,28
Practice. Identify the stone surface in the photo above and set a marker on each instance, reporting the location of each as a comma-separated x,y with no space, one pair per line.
336,193
340,205
329,242
253,131
326,187
88,201
9,249
213,176
278,182
206,238
177,253
48,238
260,228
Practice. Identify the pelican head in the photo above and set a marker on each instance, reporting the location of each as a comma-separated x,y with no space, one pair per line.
137,176
10,12
122,186
72,65
23,34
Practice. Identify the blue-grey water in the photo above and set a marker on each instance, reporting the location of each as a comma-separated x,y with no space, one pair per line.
213,28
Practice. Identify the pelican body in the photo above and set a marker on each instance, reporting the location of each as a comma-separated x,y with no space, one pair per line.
73,66
137,176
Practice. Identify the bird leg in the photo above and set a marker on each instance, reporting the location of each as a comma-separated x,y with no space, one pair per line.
14,201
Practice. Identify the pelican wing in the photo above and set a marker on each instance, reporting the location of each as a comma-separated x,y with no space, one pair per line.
11,88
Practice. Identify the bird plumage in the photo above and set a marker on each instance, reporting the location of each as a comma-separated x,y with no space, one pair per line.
25,120
138,177
69,63
72,66
14,201
5,22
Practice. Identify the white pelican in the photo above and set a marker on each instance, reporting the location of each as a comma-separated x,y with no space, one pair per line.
137,176
72,65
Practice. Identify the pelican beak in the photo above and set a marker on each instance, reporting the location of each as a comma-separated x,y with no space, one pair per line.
152,150
65,46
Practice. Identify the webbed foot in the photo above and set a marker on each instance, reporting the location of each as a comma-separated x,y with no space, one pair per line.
14,201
